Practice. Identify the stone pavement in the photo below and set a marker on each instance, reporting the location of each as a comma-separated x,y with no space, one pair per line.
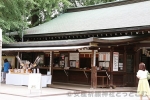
122,97
79,96
57,90
76,92
25,92
79,87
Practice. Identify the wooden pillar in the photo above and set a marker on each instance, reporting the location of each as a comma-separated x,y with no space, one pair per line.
18,62
93,70
50,63
111,66
137,61
124,66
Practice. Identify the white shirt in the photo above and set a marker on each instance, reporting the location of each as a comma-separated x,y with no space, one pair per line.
142,74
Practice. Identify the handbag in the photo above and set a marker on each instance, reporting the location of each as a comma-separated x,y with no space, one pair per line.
148,75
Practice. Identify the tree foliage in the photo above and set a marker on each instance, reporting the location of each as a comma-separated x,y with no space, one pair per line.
12,16
17,15
45,10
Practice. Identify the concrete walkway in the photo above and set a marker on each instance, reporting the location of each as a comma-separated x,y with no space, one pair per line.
25,92
79,87
54,90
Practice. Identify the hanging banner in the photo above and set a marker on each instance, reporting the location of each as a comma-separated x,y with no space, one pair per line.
115,61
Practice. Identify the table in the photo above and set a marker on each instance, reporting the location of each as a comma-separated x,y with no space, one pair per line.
22,79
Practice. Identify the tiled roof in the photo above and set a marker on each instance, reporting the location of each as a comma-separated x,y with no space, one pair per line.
120,16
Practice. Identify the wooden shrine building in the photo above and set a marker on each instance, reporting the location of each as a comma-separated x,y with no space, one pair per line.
114,37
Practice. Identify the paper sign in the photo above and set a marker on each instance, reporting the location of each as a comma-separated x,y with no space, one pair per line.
115,61
104,56
34,81
74,56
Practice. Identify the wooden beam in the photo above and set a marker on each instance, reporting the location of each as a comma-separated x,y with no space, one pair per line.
143,45
93,70
93,77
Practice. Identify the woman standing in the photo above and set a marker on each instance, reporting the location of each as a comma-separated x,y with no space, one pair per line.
6,68
143,85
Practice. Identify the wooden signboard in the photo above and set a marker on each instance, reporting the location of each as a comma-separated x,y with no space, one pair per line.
74,56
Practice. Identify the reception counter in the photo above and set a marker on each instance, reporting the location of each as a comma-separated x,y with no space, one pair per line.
22,79
77,76
83,76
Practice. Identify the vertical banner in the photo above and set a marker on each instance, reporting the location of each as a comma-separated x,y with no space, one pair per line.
115,61
0,52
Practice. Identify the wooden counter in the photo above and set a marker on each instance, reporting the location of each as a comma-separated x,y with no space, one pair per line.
83,76
78,76
70,75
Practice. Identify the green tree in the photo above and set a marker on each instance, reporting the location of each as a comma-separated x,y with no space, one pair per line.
12,16
45,10
17,15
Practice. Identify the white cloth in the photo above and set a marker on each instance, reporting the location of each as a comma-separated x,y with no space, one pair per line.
142,74
22,79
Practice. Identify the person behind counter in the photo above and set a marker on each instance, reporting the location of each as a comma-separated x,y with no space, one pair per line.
6,68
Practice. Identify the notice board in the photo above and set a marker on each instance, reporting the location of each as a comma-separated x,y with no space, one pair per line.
34,81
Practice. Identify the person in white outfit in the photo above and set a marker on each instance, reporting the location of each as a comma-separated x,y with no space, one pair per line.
143,85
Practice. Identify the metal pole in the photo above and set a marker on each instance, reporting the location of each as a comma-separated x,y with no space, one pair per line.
0,52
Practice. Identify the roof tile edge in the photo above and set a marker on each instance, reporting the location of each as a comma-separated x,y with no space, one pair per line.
104,5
